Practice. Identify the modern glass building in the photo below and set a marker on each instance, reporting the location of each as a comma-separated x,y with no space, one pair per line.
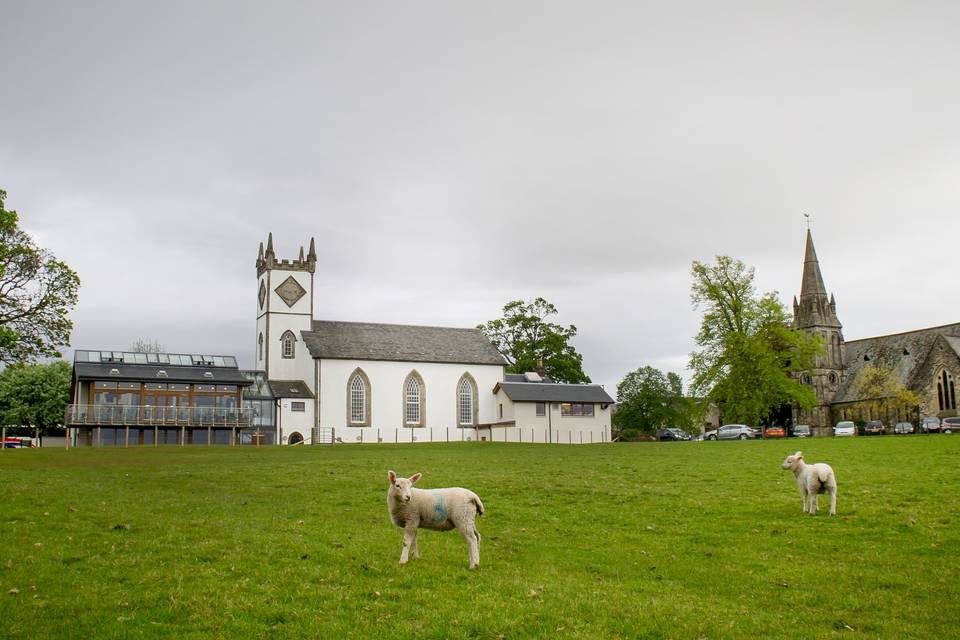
125,398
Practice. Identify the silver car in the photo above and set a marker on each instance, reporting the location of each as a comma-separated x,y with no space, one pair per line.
731,432
845,428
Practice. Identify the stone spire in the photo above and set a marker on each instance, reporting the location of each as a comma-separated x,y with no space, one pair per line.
815,308
270,253
312,254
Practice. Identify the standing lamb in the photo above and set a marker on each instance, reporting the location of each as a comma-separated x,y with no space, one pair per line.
811,480
437,509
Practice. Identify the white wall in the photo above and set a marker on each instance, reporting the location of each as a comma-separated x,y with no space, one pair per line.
291,421
297,318
386,382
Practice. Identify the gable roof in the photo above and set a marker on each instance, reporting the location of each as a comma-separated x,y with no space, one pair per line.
400,343
553,392
905,354
290,389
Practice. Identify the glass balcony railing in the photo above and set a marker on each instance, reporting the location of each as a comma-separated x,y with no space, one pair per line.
93,415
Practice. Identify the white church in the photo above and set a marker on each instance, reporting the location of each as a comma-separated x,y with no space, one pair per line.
322,381
367,382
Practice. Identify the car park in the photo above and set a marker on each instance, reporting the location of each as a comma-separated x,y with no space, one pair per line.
801,431
775,432
903,427
845,428
930,423
875,427
949,425
731,432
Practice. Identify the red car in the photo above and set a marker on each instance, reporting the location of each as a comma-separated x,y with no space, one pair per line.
775,432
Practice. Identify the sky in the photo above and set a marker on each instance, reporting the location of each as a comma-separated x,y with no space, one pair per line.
449,157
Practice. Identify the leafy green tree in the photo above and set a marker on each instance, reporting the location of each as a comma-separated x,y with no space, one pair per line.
882,391
35,395
37,291
524,336
648,400
748,352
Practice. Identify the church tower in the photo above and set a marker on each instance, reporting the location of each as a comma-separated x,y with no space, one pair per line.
284,310
816,314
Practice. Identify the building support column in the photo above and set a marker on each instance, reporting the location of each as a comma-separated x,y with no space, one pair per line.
183,436
156,432
99,439
126,437
209,436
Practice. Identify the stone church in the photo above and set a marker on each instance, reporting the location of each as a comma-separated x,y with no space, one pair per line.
926,361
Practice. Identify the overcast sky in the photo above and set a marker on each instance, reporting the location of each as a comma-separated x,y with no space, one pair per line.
452,156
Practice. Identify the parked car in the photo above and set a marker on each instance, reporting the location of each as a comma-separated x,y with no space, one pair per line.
949,425
731,432
17,442
672,434
875,427
801,431
930,423
845,428
775,432
903,427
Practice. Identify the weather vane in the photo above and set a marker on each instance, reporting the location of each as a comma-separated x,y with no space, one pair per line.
807,216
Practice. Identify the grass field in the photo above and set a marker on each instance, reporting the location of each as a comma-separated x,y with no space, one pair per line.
647,540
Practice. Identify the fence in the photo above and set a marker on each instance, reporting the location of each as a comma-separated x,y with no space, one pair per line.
406,435
149,416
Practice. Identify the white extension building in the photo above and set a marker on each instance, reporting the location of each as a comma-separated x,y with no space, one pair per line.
367,382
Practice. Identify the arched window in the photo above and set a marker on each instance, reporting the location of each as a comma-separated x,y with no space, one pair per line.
295,438
946,392
467,401
833,378
260,347
358,399
288,343
413,400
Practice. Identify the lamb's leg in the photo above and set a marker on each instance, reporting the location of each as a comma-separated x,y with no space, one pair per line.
409,540
833,499
414,549
813,503
803,497
469,533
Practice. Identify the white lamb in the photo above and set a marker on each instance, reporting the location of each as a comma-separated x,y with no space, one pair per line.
811,480
437,509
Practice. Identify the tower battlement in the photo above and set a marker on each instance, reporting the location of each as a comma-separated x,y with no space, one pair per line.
267,259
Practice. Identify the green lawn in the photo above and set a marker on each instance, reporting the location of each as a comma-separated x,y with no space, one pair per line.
651,540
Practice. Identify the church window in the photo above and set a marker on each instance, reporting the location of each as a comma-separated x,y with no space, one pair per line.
466,401
946,392
288,342
358,399
805,378
260,347
833,378
413,400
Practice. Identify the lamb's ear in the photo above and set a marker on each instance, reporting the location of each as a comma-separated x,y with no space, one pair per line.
798,454
392,476
414,478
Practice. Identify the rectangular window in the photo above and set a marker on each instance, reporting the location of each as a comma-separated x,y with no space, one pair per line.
576,409
298,406
541,408
501,410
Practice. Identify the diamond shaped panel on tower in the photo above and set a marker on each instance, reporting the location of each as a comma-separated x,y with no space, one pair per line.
290,291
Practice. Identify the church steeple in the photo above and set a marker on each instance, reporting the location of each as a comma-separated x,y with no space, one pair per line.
815,313
815,308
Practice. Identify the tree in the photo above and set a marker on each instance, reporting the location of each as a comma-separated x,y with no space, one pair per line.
882,391
37,291
146,345
35,395
524,336
648,400
747,348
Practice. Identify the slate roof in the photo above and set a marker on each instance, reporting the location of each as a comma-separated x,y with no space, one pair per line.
148,373
553,392
905,353
399,343
290,389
